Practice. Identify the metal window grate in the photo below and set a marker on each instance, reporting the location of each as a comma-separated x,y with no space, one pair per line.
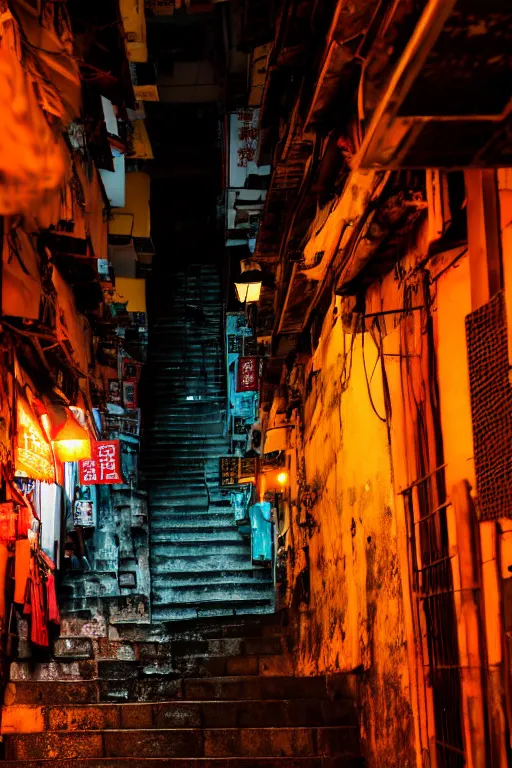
426,507
491,405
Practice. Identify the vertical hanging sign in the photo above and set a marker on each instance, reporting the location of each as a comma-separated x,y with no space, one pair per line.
104,466
248,369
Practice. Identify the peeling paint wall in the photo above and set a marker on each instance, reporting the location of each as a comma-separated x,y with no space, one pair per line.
355,614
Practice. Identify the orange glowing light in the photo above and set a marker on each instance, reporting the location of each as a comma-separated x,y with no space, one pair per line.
71,441
282,478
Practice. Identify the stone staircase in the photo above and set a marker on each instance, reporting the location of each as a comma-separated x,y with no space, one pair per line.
208,696
200,562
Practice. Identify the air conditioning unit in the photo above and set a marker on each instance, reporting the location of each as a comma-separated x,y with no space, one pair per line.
448,101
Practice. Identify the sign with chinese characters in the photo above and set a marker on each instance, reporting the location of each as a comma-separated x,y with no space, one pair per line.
104,466
236,471
248,370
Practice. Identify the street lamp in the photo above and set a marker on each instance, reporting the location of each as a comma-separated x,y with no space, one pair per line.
248,285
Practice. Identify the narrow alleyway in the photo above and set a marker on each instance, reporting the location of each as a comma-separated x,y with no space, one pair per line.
255,383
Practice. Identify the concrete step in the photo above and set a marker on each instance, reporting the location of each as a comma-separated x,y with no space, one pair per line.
180,714
186,742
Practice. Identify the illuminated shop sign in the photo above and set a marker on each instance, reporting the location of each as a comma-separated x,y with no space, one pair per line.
34,457
248,370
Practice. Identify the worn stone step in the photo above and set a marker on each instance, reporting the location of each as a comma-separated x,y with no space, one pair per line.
209,593
167,500
219,609
199,548
220,762
161,521
179,714
180,742
166,510
194,534
196,563
177,579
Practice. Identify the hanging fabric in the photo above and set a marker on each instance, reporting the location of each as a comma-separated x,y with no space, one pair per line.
21,569
4,561
53,608
35,606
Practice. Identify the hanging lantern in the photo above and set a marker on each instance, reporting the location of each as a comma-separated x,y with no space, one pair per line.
248,285
70,441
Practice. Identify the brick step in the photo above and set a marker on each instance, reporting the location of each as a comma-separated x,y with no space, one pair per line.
174,667
329,741
166,762
219,666
158,687
179,714
69,648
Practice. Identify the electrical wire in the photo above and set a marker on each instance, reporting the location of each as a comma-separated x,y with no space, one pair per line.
368,386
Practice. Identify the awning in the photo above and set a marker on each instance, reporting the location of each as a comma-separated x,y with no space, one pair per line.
73,329
132,290
21,281
277,439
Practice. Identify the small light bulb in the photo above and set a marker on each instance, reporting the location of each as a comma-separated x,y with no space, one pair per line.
282,478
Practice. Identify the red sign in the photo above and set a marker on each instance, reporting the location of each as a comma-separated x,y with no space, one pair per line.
104,466
248,368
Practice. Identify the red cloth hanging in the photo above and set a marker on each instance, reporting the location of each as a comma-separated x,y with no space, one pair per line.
53,608
35,606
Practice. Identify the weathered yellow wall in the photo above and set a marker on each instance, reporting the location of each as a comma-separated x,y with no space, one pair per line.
355,614
453,303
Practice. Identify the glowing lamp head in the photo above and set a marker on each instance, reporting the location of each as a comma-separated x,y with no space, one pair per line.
248,285
282,478
70,441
